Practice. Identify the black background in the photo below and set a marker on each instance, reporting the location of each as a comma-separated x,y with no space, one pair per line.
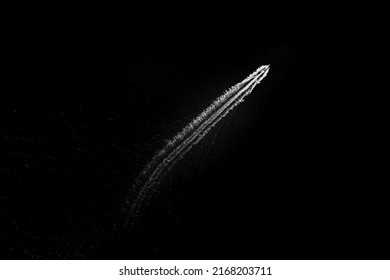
293,173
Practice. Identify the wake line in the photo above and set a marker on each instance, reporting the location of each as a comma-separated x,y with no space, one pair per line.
179,145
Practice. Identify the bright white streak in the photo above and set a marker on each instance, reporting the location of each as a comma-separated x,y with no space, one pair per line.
177,147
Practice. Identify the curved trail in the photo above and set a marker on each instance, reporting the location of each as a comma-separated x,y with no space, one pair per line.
179,145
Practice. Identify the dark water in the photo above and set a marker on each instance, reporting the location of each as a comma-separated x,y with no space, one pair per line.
291,173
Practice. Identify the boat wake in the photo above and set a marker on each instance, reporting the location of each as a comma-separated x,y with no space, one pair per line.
183,142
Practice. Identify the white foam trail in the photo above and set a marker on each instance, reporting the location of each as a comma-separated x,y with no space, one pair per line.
179,145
